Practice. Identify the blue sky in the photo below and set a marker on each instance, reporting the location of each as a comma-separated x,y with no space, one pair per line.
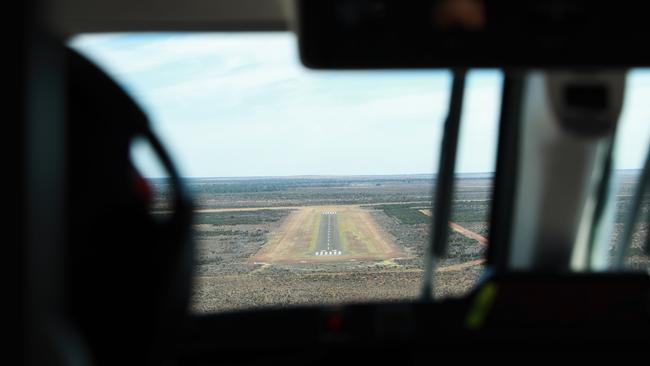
240,104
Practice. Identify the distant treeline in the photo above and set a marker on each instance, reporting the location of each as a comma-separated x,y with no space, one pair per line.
217,186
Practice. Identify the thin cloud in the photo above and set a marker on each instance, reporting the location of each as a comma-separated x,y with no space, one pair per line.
241,105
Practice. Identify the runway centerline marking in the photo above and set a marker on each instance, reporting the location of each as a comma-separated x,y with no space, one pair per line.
329,250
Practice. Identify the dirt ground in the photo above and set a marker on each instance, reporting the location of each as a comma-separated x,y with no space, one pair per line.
276,270
273,287
254,239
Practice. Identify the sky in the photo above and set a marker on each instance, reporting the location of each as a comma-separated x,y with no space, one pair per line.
241,104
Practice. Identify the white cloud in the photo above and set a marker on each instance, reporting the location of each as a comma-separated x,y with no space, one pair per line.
120,54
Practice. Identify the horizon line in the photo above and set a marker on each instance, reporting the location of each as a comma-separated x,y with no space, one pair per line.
313,175
333,175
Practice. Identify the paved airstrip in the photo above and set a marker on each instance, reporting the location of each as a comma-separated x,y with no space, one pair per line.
329,237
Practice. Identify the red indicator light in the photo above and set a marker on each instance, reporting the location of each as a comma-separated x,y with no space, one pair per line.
334,322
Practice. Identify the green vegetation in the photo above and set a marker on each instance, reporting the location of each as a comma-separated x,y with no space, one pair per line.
252,185
471,211
405,214
219,232
255,192
467,211
623,207
239,217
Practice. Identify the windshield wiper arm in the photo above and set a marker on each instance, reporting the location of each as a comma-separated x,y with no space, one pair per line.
444,184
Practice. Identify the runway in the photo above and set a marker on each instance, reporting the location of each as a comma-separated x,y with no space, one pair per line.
327,234
328,242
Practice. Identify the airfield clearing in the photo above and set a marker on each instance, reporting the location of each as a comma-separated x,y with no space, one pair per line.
328,234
